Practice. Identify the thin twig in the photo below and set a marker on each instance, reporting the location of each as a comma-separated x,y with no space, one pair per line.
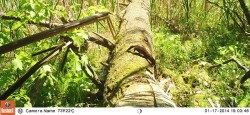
211,102
111,27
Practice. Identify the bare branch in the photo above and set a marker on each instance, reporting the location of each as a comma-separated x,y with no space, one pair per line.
98,39
92,76
32,70
245,77
111,27
44,51
240,65
54,31
245,10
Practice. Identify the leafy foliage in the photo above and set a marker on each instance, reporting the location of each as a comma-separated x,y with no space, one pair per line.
188,46
189,37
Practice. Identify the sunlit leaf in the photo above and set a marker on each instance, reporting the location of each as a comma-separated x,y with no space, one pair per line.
16,25
11,13
28,104
23,55
84,59
17,64
47,68
51,82
32,14
78,65
231,48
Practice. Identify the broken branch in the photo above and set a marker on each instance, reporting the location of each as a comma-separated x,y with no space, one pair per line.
98,39
32,70
54,31
245,77
44,51
240,65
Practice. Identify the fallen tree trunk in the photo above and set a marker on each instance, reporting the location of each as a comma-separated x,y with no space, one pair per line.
130,81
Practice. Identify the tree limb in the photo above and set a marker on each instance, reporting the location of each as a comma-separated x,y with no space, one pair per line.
245,77
92,76
245,10
32,70
54,31
111,27
44,51
98,39
240,65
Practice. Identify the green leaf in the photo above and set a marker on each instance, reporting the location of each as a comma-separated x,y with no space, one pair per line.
84,59
16,25
78,37
22,55
32,5
3,80
232,48
32,14
51,82
75,6
46,68
27,104
4,38
17,64
53,77
27,6
74,62
77,64
82,35
11,13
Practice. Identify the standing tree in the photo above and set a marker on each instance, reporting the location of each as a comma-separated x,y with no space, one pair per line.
245,10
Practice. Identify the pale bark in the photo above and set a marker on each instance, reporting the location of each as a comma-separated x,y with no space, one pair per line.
128,83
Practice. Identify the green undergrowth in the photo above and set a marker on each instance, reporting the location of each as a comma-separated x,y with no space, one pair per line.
187,62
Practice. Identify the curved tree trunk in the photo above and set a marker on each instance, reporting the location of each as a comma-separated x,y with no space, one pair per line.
245,10
130,81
